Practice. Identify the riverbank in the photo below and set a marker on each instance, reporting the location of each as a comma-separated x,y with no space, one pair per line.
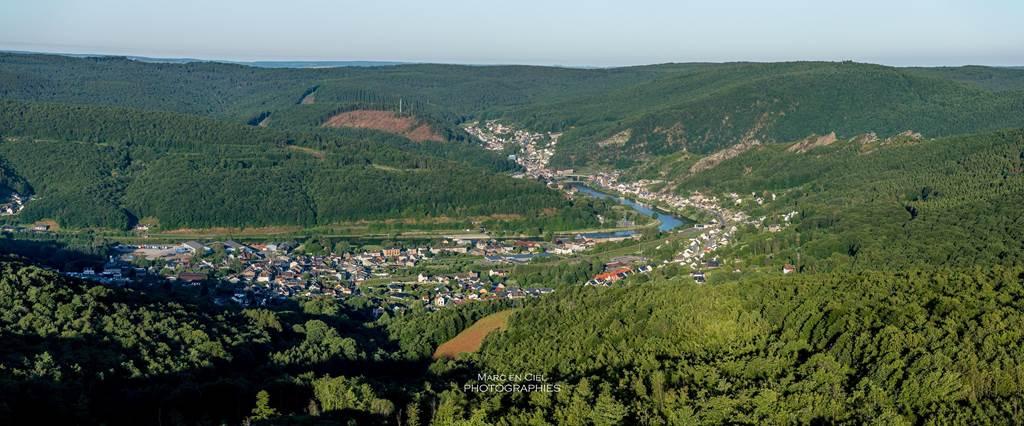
667,221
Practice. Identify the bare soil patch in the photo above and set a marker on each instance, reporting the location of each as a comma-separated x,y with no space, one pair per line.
385,121
51,223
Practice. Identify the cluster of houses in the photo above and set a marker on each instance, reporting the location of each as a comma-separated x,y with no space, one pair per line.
266,273
439,291
610,276
703,246
37,227
12,205
718,232
535,149
113,273
619,268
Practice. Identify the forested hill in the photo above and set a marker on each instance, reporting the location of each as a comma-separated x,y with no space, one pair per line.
869,203
240,92
137,126
711,108
650,110
92,166
993,78
77,352
199,88
940,345
916,347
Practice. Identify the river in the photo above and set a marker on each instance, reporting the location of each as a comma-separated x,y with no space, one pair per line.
667,221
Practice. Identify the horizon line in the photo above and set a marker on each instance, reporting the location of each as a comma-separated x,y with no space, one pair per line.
393,62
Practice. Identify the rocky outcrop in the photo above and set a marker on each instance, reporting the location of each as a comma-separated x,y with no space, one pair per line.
748,142
908,136
617,139
717,158
864,139
811,142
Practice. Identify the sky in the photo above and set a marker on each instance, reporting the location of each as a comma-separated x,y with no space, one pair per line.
540,32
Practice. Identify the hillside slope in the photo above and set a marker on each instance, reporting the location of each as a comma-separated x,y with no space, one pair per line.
665,109
107,167
76,352
713,107
868,348
437,92
386,121
876,203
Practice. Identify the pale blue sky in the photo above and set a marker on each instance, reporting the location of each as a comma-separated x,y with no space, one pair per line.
595,32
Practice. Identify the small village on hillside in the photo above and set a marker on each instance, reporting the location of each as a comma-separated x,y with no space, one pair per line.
534,154
13,205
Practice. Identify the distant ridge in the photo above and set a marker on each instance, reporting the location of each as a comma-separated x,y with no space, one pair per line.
320,64
271,64
258,64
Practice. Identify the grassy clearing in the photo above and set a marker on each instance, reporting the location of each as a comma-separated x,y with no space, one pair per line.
470,339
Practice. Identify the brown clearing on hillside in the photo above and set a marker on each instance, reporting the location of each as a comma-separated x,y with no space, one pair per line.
385,121
470,339
52,224
309,99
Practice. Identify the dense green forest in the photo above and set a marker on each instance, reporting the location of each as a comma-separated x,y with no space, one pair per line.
438,92
938,345
82,353
664,108
10,182
914,347
993,78
884,204
108,167
712,108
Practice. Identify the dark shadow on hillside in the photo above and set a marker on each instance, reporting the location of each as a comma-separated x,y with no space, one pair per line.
87,381
51,253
